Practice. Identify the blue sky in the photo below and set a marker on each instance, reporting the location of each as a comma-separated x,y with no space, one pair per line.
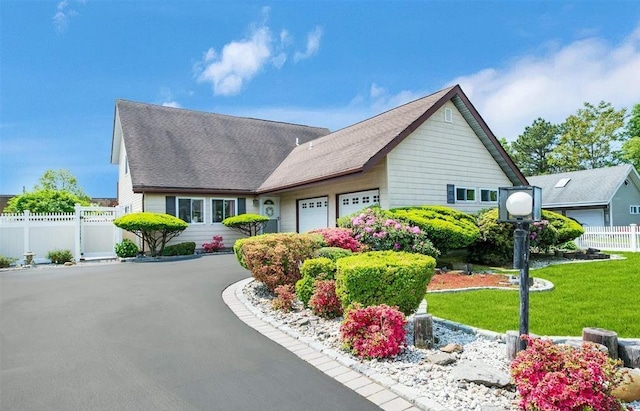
331,63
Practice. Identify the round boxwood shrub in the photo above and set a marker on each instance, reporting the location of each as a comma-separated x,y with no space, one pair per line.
154,229
127,248
332,253
186,248
311,270
446,228
384,277
247,224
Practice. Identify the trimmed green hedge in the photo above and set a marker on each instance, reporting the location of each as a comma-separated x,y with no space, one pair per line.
247,224
186,248
311,270
446,228
333,253
237,250
154,229
384,277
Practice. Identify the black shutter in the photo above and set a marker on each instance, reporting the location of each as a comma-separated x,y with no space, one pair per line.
451,194
242,206
170,205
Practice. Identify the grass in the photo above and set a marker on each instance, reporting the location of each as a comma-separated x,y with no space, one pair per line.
604,294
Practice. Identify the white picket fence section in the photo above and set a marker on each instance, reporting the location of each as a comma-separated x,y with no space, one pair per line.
617,238
89,233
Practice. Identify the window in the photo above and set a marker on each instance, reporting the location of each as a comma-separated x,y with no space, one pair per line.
355,200
465,194
221,209
345,201
365,200
488,196
376,199
191,210
634,209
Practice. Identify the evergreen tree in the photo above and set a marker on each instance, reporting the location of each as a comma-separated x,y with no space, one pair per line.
531,151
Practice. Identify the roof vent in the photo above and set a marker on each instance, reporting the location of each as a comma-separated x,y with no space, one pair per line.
448,115
562,182
310,145
297,142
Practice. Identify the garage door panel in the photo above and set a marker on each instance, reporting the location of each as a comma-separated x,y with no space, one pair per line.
592,218
353,202
312,214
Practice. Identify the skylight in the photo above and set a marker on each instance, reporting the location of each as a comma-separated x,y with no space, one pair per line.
562,182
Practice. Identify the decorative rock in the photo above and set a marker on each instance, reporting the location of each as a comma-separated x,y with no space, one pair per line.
451,348
482,373
601,336
513,344
441,358
629,353
423,331
578,345
629,389
68,263
302,322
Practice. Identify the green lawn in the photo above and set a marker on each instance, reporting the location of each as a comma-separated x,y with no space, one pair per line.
598,294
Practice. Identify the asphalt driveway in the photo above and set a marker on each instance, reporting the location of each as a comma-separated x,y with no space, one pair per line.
146,336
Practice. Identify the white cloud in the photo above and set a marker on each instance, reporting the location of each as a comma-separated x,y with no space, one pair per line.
555,85
173,104
64,12
313,45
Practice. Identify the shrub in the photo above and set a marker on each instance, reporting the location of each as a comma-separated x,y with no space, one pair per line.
542,236
377,229
284,298
5,262
237,250
568,229
339,237
324,301
60,256
186,248
127,248
552,377
274,259
216,244
569,245
247,224
45,201
153,228
332,253
311,270
445,227
384,277
373,332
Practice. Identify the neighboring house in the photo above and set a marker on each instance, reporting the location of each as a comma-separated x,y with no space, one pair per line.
204,167
600,197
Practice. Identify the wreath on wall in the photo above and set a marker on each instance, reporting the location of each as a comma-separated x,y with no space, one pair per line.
269,211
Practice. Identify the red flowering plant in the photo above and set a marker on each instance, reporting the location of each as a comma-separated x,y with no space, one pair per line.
324,301
216,244
285,296
339,237
375,228
373,332
552,377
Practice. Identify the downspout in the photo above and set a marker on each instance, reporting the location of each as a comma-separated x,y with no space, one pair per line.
143,202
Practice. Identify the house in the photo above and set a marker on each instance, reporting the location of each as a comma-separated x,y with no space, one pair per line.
599,197
204,167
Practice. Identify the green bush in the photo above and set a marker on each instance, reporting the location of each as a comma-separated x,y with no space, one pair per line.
333,253
274,259
446,228
155,229
127,248
237,250
568,229
247,224
384,277
5,262
60,256
311,270
186,248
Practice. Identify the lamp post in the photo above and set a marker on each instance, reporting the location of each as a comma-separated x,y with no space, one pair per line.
521,205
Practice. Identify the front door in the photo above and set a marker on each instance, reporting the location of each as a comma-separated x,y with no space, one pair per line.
271,209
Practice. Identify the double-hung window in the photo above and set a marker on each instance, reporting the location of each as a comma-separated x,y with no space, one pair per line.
221,209
465,194
488,195
634,209
191,210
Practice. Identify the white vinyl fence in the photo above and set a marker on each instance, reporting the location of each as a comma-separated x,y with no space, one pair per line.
617,238
89,233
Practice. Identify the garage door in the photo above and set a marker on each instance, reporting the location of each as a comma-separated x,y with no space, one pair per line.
352,202
592,218
312,214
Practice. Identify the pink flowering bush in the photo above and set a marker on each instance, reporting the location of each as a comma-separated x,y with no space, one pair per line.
340,237
216,244
377,229
552,377
324,301
542,236
373,332
285,296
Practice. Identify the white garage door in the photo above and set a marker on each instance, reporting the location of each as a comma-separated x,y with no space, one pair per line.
312,214
350,203
592,218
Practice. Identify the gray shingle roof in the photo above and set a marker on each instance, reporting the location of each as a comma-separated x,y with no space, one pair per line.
586,187
176,149
361,146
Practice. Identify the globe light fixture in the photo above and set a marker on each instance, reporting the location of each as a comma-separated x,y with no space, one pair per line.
521,205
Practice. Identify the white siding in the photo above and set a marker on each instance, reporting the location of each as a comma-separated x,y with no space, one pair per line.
440,153
126,196
376,178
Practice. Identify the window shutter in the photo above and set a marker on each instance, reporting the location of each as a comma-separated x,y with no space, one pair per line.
170,205
242,205
451,194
